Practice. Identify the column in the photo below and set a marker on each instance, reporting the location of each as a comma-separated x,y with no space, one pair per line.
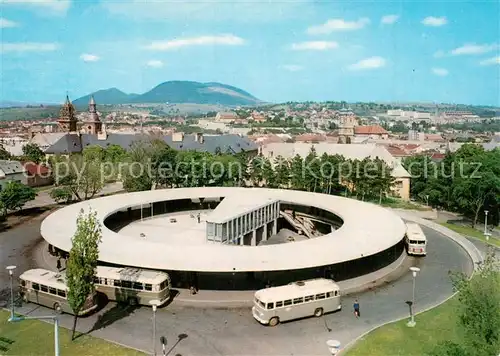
275,226
264,233
254,237
242,240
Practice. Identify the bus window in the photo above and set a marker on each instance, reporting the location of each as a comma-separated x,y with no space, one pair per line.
298,300
163,285
148,287
96,280
336,292
320,296
126,284
309,298
23,282
279,304
44,288
288,302
52,290
117,283
36,286
270,305
61,293
138,286
329,294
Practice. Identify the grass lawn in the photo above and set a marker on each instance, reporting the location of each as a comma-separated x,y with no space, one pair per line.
469,231
397,339
33,337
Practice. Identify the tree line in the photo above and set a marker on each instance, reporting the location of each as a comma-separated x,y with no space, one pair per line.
466,181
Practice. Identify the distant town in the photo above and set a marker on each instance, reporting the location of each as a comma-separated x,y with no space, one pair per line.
404,130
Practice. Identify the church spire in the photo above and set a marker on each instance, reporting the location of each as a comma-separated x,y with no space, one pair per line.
92,105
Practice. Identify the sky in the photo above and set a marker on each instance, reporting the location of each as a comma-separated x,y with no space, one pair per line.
381,51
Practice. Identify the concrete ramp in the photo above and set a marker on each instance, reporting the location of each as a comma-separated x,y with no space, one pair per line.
297,224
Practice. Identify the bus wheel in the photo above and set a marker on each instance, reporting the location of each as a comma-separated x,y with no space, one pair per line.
57,308
318,312
132,301
274,321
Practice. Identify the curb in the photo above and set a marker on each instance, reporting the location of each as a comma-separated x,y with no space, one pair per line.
474,254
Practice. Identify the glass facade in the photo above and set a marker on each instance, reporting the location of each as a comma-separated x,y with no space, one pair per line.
233,230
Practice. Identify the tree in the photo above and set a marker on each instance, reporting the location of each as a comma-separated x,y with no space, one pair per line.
478,312
81,174
33,153
61,195
4,154
82,262
15,195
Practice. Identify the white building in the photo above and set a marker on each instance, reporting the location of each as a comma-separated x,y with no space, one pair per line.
12,171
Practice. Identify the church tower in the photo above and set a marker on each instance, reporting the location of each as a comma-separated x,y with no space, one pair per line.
346,126
67,121
93,125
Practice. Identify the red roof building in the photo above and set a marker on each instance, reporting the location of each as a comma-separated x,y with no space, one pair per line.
372,131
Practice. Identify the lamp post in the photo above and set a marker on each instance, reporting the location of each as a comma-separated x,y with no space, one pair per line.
11,273
427,199
486,233
14,318
414,271
154,304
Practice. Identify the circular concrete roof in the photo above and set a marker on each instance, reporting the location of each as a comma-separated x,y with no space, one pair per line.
367,230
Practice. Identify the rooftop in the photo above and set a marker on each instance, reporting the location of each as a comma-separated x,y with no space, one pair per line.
236,205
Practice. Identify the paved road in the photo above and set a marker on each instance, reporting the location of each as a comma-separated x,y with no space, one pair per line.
222,332
43,198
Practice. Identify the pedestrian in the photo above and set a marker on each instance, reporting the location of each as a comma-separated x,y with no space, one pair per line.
199,218
356,308
58,265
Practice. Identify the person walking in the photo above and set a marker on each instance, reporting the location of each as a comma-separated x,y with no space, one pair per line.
356,308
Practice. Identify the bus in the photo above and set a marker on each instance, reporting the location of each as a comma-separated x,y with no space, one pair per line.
296,300
415,240
133,285
49,289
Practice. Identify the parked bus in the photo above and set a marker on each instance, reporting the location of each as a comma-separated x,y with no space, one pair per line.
133,285
296,300
49,288
416,242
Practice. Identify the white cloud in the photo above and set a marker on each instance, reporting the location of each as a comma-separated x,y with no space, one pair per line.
4,23
209,10
154,63
439,54
490,61
389,19
87,57
314,46
434,21
368,63
472,48
338,25
227,40
292,67
28,47
442,72
53,6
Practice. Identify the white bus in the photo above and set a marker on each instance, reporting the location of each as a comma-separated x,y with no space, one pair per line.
296,300
49,288
132,285
416,242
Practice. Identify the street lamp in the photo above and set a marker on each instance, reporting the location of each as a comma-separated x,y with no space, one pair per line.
414,271
333,346
11,273
427,199
14,318
486,233
154,303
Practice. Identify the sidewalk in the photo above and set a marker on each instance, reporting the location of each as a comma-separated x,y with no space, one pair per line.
43,198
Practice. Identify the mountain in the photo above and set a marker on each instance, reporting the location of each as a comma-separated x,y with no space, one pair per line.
106,96
178,92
